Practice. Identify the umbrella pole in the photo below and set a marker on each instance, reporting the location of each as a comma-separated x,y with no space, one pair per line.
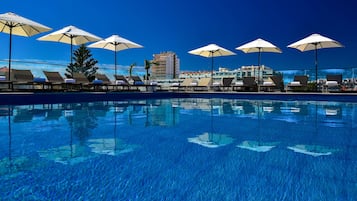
259,58
212,67
115,62
259,64
315,66
71,54
10,48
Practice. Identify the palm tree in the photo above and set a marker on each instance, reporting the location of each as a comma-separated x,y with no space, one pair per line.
148,64
83,63
131,69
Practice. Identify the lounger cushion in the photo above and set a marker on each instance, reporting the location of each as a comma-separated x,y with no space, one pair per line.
39,80
216,84
268,84
175,84
331,83
70,80
295,83
138,83
120,82
193,84
99,82
238,83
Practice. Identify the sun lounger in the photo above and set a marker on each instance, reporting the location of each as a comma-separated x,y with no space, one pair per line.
188,83
24,80
237,85
102,80
121,80
250,84
203,84
274,83
57,82
216,85
247,84
227,83
136,81
299,83
80,78
5,81
121,83
85,84
173,86
333,83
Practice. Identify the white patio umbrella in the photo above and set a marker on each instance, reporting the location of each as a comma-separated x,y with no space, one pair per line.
315,42
211,50
70,35
16,25
115,43
259,45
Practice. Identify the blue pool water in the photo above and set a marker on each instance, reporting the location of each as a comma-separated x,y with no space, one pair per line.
179,149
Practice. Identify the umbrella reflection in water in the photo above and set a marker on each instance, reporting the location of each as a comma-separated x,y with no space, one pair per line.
111,146
211,139
68,154
258,145
312,150
11,165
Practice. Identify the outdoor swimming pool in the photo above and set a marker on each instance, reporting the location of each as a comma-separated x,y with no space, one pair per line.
179,149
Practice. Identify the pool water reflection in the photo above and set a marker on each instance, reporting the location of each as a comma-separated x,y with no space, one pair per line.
179,149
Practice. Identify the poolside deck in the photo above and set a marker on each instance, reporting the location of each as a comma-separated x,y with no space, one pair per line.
23,98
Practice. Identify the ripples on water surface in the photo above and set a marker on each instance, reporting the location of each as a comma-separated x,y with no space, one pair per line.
179,149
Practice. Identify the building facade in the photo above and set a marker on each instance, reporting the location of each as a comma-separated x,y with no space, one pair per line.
167,66
262,73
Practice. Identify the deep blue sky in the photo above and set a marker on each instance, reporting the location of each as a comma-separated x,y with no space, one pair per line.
181,25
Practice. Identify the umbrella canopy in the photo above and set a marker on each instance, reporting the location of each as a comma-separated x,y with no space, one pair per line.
315,42
115,43
16,25
70,35
211,50
259,45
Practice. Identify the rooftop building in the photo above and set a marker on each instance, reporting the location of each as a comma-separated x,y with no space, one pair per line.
167,66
